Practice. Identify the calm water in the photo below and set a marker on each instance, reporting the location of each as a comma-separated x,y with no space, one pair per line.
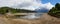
33,16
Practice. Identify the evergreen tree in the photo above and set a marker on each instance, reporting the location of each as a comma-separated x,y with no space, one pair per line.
55,11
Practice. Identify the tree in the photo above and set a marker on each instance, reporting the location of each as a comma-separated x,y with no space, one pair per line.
55,11
57,6
4,10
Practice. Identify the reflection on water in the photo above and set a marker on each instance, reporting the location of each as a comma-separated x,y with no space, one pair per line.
32,16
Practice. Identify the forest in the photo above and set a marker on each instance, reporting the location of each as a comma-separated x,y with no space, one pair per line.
55,11
4,10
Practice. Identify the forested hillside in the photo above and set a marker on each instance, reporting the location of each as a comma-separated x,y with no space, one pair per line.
4,10
55,11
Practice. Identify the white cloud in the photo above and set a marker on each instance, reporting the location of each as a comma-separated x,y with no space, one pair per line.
47,5
25,4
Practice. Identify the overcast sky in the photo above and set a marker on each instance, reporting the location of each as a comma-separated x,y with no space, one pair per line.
28,4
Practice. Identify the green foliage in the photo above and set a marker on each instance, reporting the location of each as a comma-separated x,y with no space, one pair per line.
4,10
57,6
55,11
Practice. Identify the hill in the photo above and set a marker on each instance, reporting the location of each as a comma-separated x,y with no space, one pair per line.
4,10
42,10
55,11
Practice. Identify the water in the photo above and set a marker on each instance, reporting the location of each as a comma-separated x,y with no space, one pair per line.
32,16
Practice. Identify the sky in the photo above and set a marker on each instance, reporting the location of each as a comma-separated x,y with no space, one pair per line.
51,1
29,4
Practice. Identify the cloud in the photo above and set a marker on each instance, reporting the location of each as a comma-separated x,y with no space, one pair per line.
25,4
47,5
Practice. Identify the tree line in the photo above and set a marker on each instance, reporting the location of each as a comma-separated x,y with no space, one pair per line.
4,10
55,11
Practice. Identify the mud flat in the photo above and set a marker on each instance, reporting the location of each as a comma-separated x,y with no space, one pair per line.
45,19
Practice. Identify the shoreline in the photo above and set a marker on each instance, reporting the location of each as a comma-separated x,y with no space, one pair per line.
45,19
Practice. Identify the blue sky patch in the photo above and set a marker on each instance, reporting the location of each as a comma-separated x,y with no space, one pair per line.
51,1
